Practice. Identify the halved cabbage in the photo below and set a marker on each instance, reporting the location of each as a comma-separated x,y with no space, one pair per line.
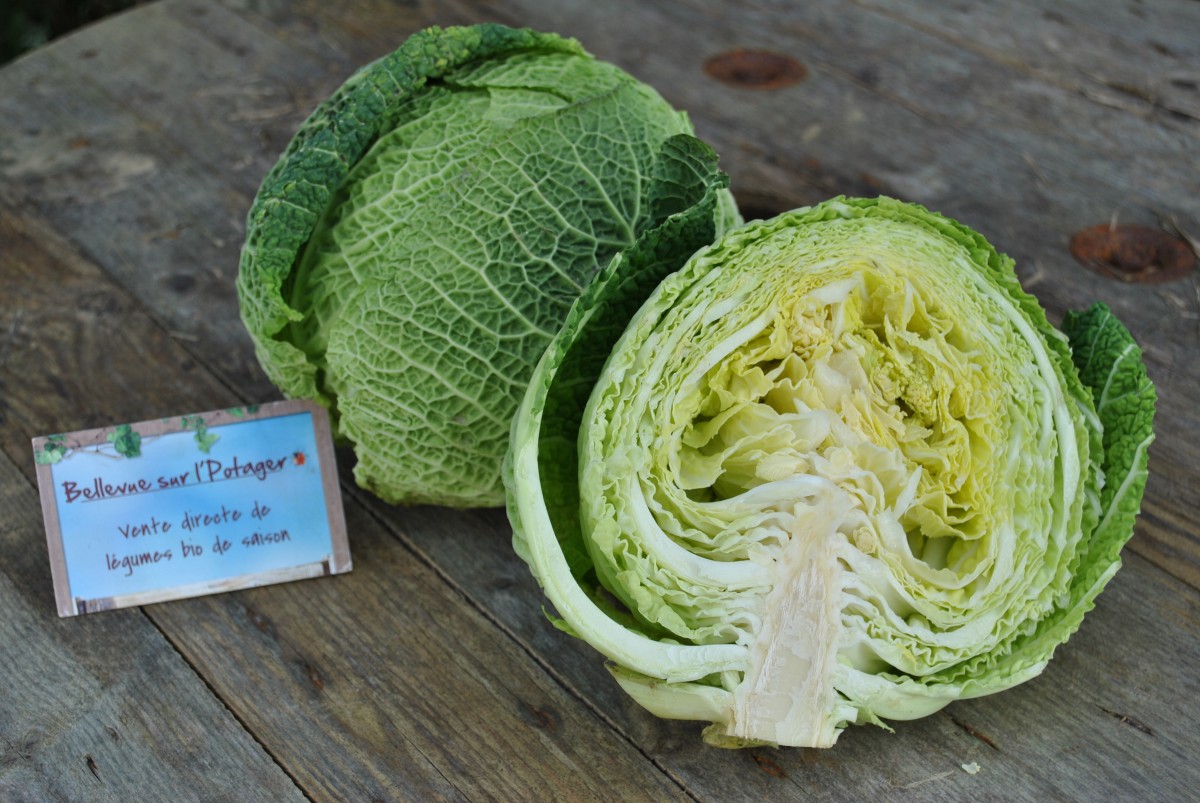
836,468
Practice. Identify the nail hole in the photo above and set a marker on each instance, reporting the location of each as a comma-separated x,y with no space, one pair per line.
314,676
1131,253
755,69
540,717
769,767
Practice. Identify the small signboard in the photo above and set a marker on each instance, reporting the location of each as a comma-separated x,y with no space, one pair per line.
191,505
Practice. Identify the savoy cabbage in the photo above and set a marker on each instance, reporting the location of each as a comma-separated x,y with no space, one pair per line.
837,467
421,239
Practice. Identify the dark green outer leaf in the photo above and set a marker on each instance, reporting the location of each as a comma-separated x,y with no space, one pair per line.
1110,364
126,441
296,192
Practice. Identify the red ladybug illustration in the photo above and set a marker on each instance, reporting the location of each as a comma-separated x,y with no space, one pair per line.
298,458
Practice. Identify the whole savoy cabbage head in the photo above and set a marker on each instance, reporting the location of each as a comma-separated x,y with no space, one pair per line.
421,240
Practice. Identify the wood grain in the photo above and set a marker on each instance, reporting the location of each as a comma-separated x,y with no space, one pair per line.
430,670
425,699
983,142
105,708
1133,57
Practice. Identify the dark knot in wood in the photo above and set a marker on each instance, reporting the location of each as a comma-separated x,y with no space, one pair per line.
755,69
1133,253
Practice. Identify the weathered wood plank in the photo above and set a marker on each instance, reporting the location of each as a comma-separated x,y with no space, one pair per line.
1055,738
384,683
994,164
103,708
67,359
1138,57
399,674
236,98
179,240
342,38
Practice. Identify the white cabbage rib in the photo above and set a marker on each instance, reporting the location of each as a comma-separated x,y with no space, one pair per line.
671,662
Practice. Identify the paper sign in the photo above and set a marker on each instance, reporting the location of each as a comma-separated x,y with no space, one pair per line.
191,505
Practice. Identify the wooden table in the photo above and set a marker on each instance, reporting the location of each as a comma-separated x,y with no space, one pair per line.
129,153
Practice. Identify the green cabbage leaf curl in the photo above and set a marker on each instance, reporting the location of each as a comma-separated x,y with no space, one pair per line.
420,241
835,468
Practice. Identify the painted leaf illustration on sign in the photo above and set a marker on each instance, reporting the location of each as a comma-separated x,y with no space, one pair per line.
204,438
126,441
241,412
54,451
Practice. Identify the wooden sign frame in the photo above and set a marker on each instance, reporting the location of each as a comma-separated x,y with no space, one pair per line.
206,427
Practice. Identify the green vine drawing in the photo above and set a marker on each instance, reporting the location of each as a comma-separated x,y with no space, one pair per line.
54,451
242,412
204,438
126,441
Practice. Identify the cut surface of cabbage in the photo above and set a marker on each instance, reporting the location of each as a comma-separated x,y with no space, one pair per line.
836,468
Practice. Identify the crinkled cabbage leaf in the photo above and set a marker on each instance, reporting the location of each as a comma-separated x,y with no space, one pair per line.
423,236
835,468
